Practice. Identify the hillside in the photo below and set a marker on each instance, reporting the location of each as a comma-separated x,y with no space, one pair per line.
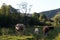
51,13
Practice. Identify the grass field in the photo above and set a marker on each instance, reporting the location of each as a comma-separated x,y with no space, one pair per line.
8,37
9,34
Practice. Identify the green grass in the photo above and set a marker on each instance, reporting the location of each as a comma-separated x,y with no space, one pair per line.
10,35
54,34
57,37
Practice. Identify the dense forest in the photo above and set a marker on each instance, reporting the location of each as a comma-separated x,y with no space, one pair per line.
10,16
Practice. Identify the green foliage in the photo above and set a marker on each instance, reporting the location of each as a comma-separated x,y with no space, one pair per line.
43,17
56,18
9,17
9,34
48,23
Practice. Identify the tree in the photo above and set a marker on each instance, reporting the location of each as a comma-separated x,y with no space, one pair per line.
36,16
3,8
8,16
24,7
42,18
57,18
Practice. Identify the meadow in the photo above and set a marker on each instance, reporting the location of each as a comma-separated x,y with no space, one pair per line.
10,34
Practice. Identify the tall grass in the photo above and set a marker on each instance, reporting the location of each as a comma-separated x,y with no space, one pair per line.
10,34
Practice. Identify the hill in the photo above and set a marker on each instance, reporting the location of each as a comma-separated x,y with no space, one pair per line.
51,13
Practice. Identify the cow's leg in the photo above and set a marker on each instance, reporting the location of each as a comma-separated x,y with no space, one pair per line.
44,35
16,32
21,32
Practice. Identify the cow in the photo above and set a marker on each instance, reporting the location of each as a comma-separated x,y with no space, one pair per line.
36,31
46,29
20,28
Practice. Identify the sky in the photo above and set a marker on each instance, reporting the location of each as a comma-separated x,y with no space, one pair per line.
37,5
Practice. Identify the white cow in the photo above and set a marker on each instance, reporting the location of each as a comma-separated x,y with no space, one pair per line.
20,28
36,31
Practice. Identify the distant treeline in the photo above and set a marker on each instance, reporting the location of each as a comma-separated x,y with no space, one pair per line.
10,16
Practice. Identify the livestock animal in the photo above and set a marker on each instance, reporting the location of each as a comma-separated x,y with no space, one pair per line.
46,29
20,28
36,31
